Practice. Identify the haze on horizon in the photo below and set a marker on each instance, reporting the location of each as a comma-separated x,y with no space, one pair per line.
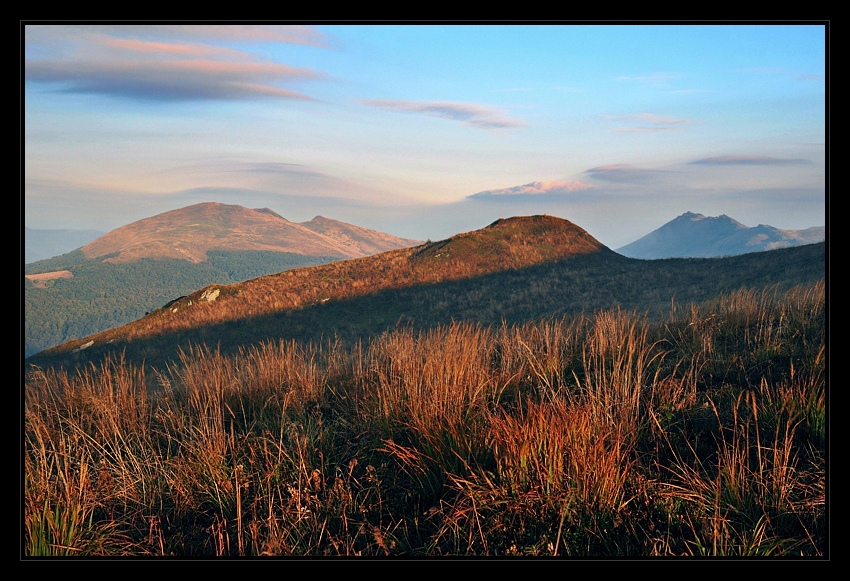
424,131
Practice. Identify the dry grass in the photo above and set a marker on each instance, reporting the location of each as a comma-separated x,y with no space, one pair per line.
600,435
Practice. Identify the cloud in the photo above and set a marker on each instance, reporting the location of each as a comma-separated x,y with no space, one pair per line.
279,168
622,174
467,113
145,48
143,62
535,189
648,123
766,70
654,79
227,172
289,34
725,160
643,129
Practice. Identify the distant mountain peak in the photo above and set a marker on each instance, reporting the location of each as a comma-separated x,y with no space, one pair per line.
691,216
694,235
189,233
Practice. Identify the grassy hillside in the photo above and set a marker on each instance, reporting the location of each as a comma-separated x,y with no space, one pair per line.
606,435
141,266
516,391
101,295
362,298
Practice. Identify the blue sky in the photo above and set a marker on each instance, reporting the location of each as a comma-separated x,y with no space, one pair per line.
425,131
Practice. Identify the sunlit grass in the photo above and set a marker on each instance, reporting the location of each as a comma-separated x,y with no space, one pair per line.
605,434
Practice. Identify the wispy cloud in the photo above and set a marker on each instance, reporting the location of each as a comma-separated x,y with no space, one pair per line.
766,70
647,123
274,167
136,48
621,173
535,189
784,72
289,34
725,160
659,79
467,113
140,62
278,169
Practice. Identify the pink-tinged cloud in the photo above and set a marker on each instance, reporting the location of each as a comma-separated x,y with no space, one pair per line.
164,49
536,189
724,160
289,34
467,113
166,62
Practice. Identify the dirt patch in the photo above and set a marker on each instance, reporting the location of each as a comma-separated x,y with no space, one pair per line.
40,280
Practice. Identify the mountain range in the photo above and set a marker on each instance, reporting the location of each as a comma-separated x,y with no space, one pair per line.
129,272
696,236
190,233
123,274
516,269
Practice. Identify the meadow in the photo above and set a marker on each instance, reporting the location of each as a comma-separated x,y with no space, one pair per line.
608,434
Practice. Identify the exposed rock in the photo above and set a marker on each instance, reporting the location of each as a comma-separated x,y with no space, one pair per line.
84,346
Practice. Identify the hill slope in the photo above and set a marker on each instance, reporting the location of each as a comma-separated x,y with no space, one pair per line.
134,269
515,269
697,236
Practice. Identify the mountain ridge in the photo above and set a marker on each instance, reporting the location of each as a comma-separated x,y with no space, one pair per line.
189,233
134,269
692,235
503,245
518,268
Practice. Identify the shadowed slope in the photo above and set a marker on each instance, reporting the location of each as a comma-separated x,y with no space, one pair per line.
504,245
517,269
135,269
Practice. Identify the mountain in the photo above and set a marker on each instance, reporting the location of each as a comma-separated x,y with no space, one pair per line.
47,243
694,235
514,270
190,233
136,268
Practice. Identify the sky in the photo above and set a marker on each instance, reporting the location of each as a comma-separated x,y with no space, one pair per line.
427,130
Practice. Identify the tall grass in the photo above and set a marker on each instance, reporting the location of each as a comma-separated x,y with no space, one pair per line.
605,434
